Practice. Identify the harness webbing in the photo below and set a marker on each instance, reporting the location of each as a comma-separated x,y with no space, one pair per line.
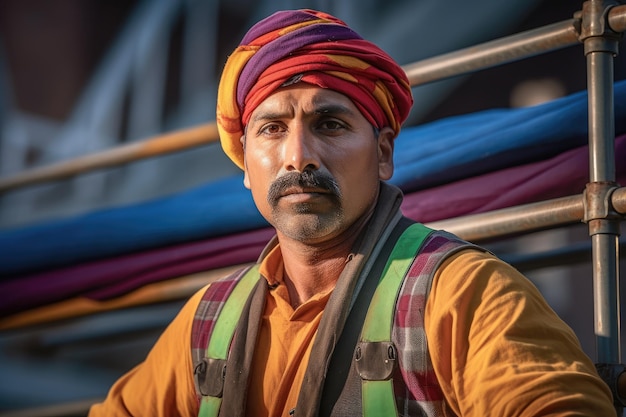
378,397
224,331
377,385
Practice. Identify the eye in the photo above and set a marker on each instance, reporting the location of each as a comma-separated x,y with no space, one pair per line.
331,126
271,129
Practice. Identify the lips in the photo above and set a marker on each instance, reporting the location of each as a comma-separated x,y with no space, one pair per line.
303,190
303,195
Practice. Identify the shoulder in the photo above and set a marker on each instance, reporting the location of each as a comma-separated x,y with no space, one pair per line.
472,270
483,320
477,297
206,304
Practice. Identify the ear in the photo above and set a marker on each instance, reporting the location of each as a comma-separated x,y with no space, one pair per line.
246,179
385,153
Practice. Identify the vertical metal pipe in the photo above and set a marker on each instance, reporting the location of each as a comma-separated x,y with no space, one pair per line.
605,258
600,48
601,115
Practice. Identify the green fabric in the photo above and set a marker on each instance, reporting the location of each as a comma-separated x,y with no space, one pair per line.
379,319
378,399
209,407
229,316
378,396
225,329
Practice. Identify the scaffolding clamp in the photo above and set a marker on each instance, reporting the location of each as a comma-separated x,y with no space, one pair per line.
599,212
592,24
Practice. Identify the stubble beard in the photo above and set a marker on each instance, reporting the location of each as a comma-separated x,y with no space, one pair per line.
305,225
304,221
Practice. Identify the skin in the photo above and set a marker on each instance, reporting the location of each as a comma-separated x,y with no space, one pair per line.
307,129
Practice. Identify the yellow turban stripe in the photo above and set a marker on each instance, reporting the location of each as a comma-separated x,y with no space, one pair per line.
321,50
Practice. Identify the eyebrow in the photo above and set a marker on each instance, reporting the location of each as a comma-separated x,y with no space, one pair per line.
269,115
322,109
333,109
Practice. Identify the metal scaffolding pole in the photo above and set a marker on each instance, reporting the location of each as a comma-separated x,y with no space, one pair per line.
600,46
493,53
526,218
136,151
507,49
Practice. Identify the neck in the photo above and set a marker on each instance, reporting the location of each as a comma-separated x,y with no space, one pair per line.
311,269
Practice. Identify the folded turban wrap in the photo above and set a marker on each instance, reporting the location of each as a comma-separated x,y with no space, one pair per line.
315,48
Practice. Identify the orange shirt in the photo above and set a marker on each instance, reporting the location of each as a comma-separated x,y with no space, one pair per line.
284,345
497,349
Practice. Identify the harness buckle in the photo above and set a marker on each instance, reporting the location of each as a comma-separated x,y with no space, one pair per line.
210,375
376,361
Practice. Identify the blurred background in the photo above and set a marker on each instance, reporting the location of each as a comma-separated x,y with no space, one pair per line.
80,76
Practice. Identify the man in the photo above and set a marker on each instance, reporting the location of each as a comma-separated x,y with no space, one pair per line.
309,111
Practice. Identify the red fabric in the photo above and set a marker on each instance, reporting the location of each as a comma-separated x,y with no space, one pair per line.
315,48
563,175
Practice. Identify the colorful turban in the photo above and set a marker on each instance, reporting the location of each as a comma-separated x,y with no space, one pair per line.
312,47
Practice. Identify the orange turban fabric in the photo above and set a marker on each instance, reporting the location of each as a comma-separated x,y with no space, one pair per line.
312,47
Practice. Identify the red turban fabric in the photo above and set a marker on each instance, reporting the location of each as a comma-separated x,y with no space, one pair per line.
312,47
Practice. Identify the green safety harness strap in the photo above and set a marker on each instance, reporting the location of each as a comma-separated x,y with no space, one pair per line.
377,385
375,354
223,333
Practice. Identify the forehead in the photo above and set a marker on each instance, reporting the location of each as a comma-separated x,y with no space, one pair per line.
304,97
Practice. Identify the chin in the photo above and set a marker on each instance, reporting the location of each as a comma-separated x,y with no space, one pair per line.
308,227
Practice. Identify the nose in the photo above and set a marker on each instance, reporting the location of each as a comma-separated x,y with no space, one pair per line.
299,151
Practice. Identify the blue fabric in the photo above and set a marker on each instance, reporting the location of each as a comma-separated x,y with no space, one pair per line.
473,144
214,209
425,156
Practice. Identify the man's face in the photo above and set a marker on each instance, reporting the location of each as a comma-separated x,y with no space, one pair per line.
313,162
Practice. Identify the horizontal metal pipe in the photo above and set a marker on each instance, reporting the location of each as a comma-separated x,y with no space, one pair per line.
525,218
618,199
490,54
514,220
158,145
617,18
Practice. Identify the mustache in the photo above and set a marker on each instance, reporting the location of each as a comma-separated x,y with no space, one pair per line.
306,179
